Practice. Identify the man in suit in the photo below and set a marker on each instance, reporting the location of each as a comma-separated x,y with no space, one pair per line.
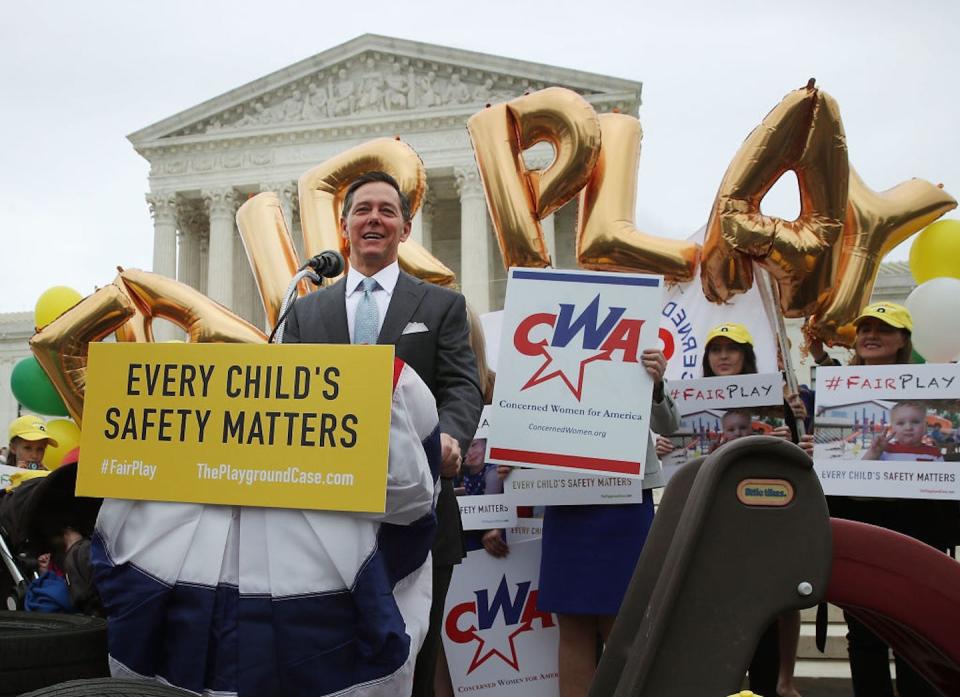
378,303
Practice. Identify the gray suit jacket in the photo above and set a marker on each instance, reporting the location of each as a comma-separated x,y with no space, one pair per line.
664,419
441,356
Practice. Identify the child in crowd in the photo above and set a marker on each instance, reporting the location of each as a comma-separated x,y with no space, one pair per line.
903,440
736,423
28,443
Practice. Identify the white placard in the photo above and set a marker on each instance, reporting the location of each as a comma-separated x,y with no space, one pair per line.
888,431
496,641
704,403
571,393
486,512
732,392
6,472
525,529
688,316
483,428
535,487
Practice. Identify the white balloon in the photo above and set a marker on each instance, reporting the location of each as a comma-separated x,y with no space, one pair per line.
935,308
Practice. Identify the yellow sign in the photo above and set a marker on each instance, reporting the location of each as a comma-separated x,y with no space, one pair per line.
289,426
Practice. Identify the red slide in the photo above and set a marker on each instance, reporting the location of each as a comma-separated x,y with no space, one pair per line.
906,592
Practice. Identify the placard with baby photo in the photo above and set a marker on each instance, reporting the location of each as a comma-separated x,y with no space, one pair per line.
889,431
717,410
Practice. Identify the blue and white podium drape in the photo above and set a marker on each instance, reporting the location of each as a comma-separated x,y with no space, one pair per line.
226,600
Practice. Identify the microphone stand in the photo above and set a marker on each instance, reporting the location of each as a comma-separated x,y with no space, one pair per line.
291,295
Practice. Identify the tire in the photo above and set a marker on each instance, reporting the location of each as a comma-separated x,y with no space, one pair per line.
41,649
110,688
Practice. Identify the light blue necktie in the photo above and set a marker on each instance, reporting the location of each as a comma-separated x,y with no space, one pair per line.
367,319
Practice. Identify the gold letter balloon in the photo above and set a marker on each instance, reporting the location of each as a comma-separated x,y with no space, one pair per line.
804,134
519,198
321,197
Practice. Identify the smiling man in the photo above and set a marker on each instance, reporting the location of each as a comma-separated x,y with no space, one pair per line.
378,303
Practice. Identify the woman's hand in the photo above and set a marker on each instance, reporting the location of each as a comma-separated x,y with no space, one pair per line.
806,443
655,364
664,446
781,432
494,543
797,406
816,350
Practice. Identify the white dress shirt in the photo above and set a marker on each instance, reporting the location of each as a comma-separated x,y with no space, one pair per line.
386,279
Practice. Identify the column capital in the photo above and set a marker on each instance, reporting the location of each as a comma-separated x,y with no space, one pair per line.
286,190
163,206
468,182
221,202
191,216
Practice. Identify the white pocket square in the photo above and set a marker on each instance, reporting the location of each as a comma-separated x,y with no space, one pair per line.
414,328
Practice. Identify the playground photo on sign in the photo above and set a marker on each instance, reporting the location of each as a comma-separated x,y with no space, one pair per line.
717,410
889,431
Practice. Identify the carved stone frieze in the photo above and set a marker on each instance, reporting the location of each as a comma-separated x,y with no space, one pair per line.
372,83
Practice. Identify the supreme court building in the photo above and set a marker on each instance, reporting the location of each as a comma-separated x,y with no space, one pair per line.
207,160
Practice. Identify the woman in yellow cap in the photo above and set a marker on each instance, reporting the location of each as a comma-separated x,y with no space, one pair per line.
28,442
883,338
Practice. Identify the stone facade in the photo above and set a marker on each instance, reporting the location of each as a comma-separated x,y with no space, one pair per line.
262,136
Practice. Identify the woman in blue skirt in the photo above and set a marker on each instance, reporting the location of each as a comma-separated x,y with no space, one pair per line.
589,553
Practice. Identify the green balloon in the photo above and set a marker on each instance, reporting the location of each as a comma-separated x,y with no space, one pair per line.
33,389
917,358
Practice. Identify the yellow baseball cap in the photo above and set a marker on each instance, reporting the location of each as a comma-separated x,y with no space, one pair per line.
895,315
730,330
31,428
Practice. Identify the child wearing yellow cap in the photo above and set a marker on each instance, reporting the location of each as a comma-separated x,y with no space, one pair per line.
28,442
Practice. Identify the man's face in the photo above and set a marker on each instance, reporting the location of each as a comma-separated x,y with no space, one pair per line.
374,227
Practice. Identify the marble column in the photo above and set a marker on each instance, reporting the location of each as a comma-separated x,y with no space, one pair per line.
286,191
550,236
204,253
163,208
192,223
222,208
474,240
422,225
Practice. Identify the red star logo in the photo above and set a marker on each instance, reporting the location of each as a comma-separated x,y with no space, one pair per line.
542,375
478,659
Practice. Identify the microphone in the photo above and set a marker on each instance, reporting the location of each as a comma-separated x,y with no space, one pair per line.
327,264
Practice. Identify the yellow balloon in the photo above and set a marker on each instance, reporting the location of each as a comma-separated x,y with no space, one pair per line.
53,303
67,435
936,252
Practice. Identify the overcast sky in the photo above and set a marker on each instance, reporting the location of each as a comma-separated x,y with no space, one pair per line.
77,77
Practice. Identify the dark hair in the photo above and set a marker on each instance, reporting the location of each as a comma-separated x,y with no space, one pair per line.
369,178
904,353
749,360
